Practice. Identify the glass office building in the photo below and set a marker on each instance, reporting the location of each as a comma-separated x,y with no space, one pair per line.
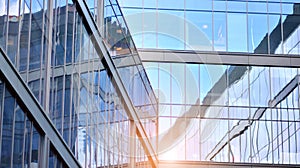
186,83
225,73
73,90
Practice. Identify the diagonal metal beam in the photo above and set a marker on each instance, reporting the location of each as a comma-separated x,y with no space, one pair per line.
107,61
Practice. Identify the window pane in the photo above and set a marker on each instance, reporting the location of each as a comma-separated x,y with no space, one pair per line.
257,33
237,32
170,30
199,5
236,6
35,147
220,32
199,31
171,4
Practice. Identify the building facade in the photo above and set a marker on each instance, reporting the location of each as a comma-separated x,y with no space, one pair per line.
225,73
213,83
73,90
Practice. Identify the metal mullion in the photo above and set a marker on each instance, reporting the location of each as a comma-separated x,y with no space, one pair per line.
143,22
24,140
97,125
247,26
277,136
268,24
226,21
13,133
55,93
249,118
29,39
19,36
52,80
1,117
199,92
108,87
66,34
289,135
228,115
105,122
122,121
42,55
185,118
7,26
47,80
94,112
113,132
213,26
64,74
30,141
156,25
298,90
118,139
78,80
157,114
72,79
272,110
281,28
71,109
88,112
281,136
171,89
42,154
47,152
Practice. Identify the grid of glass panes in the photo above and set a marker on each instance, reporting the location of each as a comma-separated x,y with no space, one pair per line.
214,25
64,72
19,137
227,113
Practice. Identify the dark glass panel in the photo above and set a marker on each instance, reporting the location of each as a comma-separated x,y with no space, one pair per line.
35,148
18,138
7,129
28,136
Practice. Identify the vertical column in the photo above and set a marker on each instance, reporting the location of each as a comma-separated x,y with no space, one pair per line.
100,18
48,57
43,161
132,143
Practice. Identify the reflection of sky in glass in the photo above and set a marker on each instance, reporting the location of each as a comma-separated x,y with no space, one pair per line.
234,31
237,32
257,30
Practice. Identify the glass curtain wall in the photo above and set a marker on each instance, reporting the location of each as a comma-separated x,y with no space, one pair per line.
20,136
214,25
55,56
227,113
